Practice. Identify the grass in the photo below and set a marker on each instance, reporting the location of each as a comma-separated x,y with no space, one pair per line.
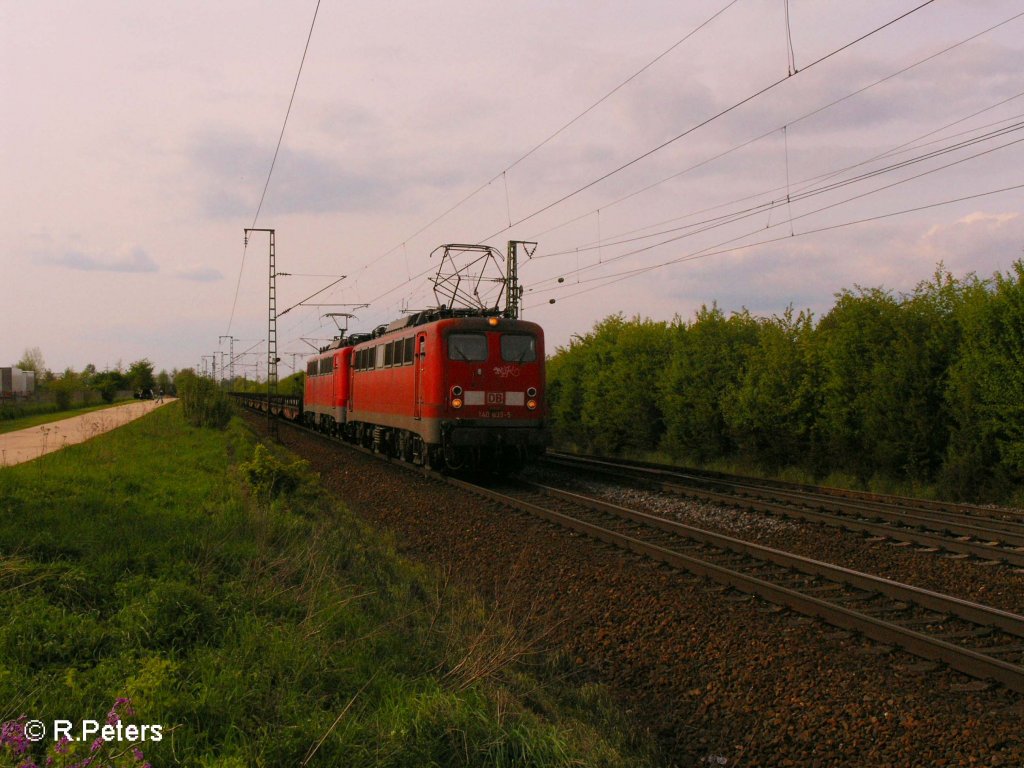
258,623
836,479
13,423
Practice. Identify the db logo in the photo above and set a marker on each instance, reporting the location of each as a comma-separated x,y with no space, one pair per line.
495,398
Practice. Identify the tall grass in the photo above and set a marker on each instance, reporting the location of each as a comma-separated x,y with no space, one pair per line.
257,628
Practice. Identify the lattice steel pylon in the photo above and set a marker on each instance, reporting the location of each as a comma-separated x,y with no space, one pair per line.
514,291
272,358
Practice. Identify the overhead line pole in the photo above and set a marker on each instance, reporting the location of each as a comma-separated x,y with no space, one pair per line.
272,358
231,358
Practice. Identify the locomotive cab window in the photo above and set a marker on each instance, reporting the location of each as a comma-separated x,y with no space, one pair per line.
467,346
518,348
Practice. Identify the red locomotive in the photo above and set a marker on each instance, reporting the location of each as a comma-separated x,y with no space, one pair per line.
454,388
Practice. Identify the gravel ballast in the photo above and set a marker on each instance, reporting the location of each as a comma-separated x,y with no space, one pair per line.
718,678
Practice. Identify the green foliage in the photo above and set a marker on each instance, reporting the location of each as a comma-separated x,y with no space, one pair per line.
140,375
708,358
258,634
270,477
64,388
292,385
32,360
604,389
918,388
108,384
204,404
985,457
770,411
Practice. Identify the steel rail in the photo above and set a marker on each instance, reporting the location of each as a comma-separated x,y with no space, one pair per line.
964,511
968,661
964,609
977,549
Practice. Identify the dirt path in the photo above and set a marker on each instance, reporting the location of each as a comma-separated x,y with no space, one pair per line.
27,444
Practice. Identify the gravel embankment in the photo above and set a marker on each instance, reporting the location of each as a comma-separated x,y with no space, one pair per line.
994,584
720,679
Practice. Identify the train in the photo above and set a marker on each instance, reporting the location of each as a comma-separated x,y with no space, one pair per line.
451,389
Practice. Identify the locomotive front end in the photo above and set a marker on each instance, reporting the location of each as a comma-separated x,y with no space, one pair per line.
493,415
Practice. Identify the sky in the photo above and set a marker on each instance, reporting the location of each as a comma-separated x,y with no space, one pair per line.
663,155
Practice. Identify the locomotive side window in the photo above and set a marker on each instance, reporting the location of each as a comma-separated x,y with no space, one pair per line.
410,347
518,348
389,353
311,368
326,365
379,361
467,346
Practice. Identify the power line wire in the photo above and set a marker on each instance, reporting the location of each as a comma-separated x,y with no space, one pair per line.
711,119
705,253
554,135
685,133
804,193
273,162
802,216
790,124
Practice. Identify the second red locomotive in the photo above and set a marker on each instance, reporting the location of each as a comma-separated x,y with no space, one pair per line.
454,388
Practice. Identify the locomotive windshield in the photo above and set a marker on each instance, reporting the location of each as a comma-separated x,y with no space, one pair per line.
467,346
518,348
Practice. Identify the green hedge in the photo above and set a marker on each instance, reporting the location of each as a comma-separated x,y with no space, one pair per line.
921,388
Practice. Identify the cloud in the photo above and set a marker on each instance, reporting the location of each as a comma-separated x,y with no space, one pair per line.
975,241
200,274
136,261
304,180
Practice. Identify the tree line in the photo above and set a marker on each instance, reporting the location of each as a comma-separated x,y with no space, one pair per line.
925,387
91,384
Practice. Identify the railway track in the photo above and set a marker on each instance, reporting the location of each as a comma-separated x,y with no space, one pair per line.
978,640
954,529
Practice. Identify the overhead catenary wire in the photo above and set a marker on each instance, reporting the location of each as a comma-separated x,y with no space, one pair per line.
792,122
605,240
678,137
640,270
611,279
805,192
556,133
818,210
711,119
809,182
273,162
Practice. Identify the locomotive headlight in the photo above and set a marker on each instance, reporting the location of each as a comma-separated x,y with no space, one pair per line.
456,402
456,391
531,404
531,392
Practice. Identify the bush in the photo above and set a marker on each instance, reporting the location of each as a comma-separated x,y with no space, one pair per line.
270,477
204,404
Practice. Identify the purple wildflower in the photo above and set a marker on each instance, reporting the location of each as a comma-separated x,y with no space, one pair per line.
137,754
61,747
122,706
12,733
97,745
